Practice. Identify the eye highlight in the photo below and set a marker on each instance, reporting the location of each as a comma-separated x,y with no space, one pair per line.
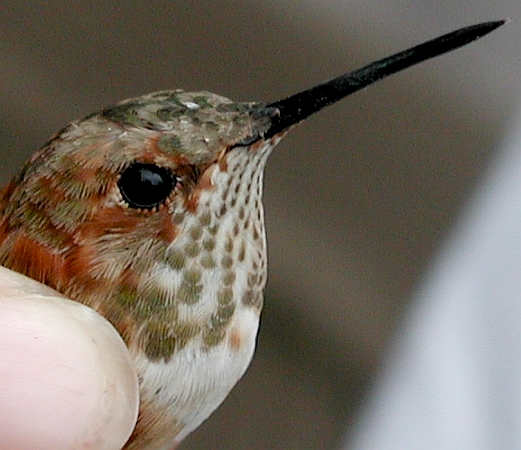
144,186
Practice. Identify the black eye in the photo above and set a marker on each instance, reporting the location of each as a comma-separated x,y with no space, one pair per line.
144,186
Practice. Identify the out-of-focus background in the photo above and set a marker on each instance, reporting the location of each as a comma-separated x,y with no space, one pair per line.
357,199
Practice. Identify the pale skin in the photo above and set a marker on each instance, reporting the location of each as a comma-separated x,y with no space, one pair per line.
66,378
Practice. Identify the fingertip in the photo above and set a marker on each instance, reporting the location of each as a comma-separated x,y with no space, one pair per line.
66,377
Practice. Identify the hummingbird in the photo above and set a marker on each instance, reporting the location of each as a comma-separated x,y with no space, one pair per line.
150,212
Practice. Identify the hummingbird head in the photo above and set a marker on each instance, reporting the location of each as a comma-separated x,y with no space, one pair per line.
145,209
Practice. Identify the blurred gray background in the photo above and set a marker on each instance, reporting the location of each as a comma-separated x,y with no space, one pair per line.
358,199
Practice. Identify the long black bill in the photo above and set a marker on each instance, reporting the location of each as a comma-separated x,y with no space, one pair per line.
299,106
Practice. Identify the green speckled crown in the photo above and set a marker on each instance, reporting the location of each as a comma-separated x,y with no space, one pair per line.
196,123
